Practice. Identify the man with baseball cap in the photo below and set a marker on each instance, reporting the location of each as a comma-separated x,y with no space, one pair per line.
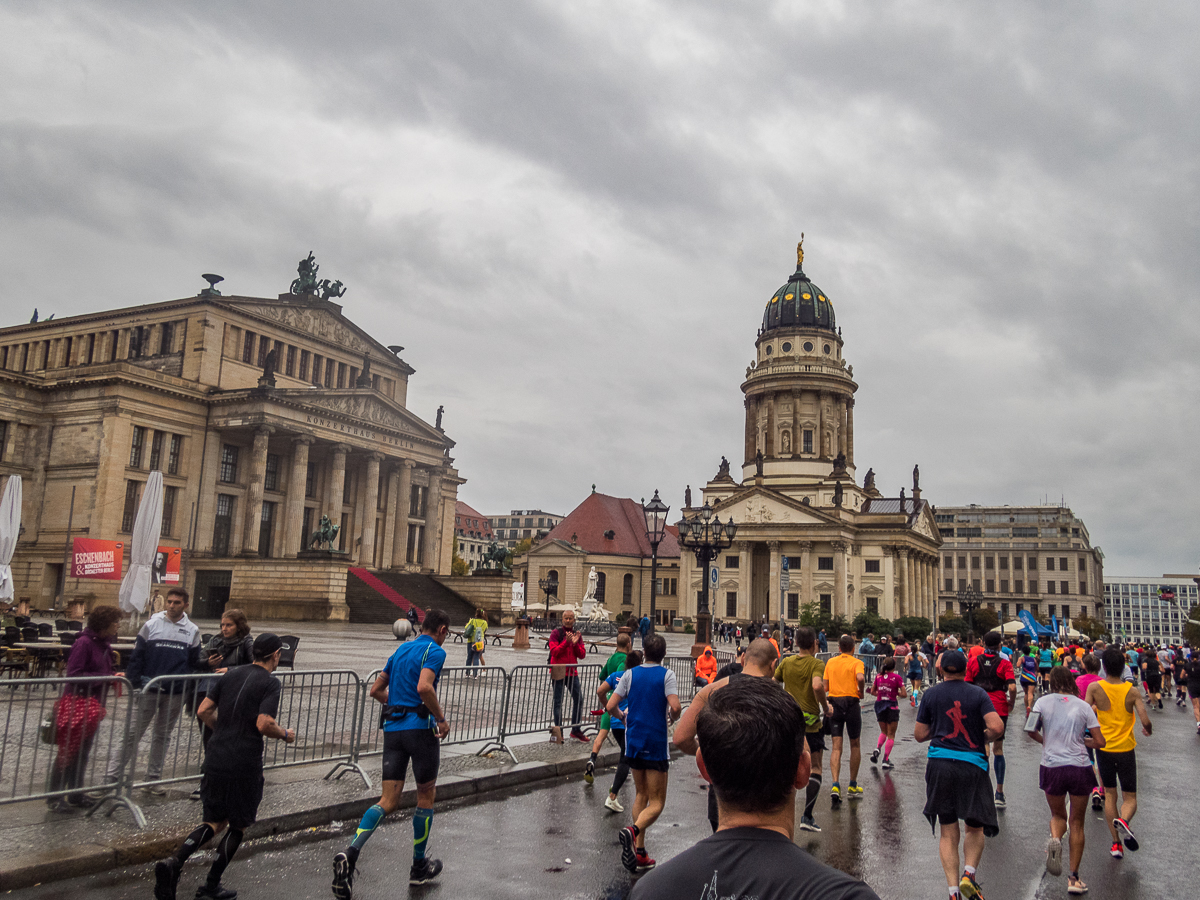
240,708
958,720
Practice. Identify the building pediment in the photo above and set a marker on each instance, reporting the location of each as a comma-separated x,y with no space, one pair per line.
926,525
369,408
763,506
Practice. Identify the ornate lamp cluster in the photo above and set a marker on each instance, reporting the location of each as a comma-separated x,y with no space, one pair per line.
655,513
706,536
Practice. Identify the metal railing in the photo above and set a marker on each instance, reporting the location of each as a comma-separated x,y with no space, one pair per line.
530,702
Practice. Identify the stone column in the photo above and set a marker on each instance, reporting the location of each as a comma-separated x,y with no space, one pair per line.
839,579
366,556
293,518
337,485
391,521
840,412
773,591
403,499
254,491
903,601
433,520
751,430
744,578
805,572
820,435
769,427
850,432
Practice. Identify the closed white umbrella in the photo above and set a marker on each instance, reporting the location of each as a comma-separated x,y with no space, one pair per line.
135,586
10,530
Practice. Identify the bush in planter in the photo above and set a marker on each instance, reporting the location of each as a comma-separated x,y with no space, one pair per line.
619,619
688,629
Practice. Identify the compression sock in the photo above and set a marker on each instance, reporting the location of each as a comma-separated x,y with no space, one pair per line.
370,820
879,743
422,822
810,794
1000,767
970,870
887,748
593,756
195,841
225,851
619,778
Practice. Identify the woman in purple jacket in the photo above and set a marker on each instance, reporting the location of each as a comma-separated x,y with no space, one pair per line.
80,710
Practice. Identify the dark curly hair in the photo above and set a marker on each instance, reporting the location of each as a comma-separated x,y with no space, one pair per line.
101,618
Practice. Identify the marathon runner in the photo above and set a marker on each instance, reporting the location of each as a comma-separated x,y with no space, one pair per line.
994,674
886,688
1179,673
1152,677
844,685
1045,656
413,724
802,677
631,660
615,664
1029,677
1091,674
1192,671
1115,701
916,672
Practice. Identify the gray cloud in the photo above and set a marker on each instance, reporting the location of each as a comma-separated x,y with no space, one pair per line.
571,216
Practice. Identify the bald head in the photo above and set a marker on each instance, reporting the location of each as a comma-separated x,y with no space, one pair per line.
761,655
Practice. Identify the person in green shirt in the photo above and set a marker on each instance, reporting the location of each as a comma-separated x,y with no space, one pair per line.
615,663
802,677
475,634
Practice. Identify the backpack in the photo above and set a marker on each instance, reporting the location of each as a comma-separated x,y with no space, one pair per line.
988,677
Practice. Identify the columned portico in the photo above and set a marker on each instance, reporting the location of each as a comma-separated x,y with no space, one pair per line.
840,606
433,518
773,600
403,501
337,484
903,606
370,504
390,520
254,491
293,518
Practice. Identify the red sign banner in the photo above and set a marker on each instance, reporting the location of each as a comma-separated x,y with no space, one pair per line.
166,566
93,558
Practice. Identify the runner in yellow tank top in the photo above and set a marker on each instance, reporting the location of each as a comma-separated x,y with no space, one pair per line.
1115,702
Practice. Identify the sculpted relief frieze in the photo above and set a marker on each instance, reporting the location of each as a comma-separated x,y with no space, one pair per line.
316,322
365,408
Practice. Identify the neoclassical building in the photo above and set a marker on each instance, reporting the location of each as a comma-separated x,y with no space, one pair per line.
848,547
263,414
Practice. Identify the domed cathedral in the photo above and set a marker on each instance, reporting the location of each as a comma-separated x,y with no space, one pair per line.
848,547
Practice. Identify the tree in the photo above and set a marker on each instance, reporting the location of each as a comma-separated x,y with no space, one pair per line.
458,565
1191,632
952,625
985,620
521,547
914,628
1092,627
867,622
817,619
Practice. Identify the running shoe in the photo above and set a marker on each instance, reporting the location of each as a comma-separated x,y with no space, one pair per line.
204,892
1115,851
614,804
627,836
835,794
888,764
643,861
1054,857
1124,830
856,791
1000,801
166,878
343,877
808,823
875,756
1160,704
969,888
1076,886
424,870
579,735
589,772
1097,800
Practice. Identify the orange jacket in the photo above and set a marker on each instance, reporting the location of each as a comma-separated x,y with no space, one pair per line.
706,665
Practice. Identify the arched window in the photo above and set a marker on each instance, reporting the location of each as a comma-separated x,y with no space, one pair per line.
553,576
627,590
600,581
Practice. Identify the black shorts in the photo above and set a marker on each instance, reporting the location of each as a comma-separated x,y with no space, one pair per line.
885,713
846,712
653,765
956,790
231,798
816,741
1193,689
1154,683
1118,767
1045,673
418,744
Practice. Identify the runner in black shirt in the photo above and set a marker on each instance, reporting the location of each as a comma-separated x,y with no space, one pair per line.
240,708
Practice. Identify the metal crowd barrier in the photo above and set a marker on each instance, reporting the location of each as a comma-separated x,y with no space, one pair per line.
530,702
472,699
40,760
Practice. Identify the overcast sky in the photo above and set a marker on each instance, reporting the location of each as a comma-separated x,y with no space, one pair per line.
571,214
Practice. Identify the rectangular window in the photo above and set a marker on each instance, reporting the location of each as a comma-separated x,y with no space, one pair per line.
248,348
1082,564
329,367
306,527
173,454
793,606
347,483
223,525
167,343
414,502
1049,563
156,443
1049,587
1066,613
1064,587
137,446
826,603
303,373
170,495
264,347
962,584
1004,564
132,491
947,562
962,562
341,375
731,604
229,464
991,586
266,528
1052,609
1062,564
1017,562
310,481
872,565
975,584
732,562
989,562
825,563
974,562
1004,585
1083,587
949,584
808,442
316,368
1018,586
271,477
290,369
1033,564
1004,610
375,382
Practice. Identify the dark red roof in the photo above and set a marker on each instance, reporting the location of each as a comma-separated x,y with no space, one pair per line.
463,516
621,515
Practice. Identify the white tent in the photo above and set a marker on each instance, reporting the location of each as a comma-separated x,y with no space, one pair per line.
135,587
1011,628
10,530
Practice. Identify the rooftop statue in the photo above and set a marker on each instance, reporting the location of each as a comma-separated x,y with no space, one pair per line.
328,289
800,252
869,480
916,479
307,270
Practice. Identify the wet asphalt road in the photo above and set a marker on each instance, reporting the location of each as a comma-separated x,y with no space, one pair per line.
516,845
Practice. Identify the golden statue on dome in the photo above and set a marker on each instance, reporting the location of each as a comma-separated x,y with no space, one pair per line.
800,252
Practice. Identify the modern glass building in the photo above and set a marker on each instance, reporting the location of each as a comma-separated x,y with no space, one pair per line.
1136,611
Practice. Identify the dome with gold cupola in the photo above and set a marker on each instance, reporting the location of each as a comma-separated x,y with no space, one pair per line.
799,303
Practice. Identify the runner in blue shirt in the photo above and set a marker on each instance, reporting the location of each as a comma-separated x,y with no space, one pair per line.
633,659
653,694
413,723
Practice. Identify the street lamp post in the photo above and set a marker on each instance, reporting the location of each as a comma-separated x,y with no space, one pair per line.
655,513
969,600
550,586
706,536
